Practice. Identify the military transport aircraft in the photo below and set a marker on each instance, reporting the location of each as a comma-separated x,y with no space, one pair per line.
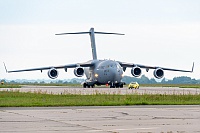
101,72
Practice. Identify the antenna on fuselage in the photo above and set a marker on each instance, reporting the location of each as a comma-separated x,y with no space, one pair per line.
92,38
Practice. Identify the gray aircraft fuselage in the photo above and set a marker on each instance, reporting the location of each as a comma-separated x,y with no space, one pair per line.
104,72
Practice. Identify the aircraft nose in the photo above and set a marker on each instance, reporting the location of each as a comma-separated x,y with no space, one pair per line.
115,75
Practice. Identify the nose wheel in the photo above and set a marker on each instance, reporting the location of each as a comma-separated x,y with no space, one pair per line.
118,85
112,86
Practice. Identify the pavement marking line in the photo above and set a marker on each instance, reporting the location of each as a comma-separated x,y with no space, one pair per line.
129,129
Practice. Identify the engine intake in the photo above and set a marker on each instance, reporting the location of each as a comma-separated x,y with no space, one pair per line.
158,73
136,71
53,73
79,71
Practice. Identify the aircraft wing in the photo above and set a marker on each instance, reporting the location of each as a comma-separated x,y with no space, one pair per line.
85,64
124,65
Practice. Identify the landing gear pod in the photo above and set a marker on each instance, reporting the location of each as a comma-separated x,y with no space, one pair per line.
158,73
79,71
136,71
53,73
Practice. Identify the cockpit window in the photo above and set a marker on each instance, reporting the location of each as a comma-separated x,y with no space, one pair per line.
113,65
118,66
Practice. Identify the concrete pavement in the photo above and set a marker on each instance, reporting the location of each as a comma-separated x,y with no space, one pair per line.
109,119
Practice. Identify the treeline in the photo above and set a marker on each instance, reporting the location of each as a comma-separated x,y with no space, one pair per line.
142,80
176,80
35,82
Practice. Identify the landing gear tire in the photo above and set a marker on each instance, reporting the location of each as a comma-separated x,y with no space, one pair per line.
84,85
121,86
117,86
112,86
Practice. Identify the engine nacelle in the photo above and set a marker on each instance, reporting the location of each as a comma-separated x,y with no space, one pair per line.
136,71
158,73
53,73
79,71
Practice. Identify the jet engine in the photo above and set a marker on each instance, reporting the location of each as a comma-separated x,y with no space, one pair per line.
79,71
158,73
136,71
53,73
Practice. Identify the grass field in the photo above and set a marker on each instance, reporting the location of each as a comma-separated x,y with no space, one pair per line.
10,86
19,99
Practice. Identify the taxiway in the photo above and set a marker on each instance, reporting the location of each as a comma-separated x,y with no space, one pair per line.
85,91
118,119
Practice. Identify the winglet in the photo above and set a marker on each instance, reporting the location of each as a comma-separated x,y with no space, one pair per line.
5,67
192,67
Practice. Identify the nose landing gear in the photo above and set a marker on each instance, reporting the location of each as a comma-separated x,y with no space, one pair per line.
112,85
117,85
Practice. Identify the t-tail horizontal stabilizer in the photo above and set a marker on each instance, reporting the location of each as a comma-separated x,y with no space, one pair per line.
92,38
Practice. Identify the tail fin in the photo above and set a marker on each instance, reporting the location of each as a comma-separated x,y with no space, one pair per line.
92,38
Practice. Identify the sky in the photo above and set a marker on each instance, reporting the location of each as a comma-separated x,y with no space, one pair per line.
163,33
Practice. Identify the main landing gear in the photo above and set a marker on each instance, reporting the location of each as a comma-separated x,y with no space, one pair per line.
85,85
112,85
